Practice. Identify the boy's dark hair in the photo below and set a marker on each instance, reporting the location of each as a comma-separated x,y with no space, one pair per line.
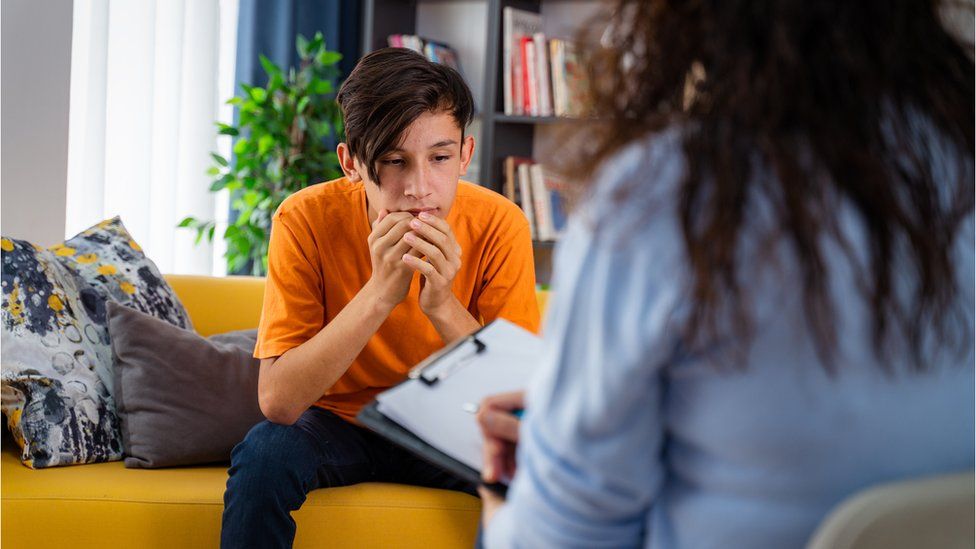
387,91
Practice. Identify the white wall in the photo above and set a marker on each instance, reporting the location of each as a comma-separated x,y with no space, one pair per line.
35,71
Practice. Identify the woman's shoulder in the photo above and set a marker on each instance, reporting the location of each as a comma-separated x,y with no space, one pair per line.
634,192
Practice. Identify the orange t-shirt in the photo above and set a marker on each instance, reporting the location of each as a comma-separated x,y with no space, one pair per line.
318,260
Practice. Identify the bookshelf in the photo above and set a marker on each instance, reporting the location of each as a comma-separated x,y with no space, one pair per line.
475,29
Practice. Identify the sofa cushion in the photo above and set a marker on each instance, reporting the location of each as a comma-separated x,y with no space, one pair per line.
57,380
181,399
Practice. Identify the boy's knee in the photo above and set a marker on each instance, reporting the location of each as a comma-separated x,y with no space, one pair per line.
271,450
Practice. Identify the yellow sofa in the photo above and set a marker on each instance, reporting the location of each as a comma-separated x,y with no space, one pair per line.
107,505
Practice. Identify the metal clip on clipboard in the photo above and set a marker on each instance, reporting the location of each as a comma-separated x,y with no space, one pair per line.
432,370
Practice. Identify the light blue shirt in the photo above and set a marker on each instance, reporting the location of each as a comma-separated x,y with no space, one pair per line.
628,440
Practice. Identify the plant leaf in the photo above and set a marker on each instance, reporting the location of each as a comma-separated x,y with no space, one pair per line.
328,57
219,159
222,183
277,82
269,67
320,87
259,95
265,142
240,148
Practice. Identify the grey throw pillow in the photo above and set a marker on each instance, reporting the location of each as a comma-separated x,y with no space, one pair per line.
182,399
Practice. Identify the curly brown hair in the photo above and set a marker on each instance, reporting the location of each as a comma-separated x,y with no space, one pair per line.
828,95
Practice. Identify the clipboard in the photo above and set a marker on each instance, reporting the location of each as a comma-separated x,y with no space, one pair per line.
437,385
392,431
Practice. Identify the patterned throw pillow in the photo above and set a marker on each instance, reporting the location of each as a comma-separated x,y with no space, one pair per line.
56,355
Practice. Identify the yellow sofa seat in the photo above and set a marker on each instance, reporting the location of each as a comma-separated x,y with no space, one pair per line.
107,505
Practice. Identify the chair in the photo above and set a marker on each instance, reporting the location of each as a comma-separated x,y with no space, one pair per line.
929,512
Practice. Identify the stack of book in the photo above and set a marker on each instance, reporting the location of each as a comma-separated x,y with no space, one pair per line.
539,193
435,51
541,77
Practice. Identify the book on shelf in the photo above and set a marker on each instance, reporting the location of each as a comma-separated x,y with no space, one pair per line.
438,52
530,100
576,84
538,192
556,188
443,54
542,74
516,24
511,189
525,198
540,77
541,204
557,64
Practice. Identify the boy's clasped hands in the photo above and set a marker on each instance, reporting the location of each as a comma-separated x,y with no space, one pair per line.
398,244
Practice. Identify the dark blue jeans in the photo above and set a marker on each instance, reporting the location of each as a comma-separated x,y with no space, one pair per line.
275,466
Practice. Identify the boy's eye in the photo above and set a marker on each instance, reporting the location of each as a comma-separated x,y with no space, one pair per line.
393,162
442,158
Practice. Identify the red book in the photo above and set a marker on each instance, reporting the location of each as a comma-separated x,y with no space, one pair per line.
530,103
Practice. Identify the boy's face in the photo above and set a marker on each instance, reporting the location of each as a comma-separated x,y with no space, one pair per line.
422,173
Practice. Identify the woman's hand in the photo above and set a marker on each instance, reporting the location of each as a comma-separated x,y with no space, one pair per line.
500,428
499,422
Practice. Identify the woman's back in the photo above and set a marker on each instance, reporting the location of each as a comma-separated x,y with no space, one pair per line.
633,436
757,457
765,302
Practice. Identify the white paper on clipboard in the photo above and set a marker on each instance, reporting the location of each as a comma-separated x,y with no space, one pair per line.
436,412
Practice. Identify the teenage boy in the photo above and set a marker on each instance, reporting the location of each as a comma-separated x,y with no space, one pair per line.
368,275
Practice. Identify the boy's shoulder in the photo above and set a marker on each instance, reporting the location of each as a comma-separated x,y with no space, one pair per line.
477,201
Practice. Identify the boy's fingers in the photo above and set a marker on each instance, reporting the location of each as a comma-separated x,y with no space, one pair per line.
431,233
433,253
391,236
438,223
383,225
422,267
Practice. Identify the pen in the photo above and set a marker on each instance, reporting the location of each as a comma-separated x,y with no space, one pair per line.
472,408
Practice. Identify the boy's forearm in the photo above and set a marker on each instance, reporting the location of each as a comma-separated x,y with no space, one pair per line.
453,321
298,378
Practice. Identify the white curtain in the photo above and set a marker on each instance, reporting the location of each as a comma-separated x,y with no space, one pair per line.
146,89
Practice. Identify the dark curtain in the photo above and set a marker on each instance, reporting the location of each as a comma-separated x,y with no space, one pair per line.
269,28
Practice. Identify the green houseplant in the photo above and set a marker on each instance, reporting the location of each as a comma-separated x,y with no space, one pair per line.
280,147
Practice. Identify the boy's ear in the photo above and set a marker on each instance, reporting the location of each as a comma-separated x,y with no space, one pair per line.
467,153
348,163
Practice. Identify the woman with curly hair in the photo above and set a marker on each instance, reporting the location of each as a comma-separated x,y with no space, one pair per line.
764,300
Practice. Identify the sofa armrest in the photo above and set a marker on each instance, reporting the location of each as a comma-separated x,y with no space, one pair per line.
220,304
